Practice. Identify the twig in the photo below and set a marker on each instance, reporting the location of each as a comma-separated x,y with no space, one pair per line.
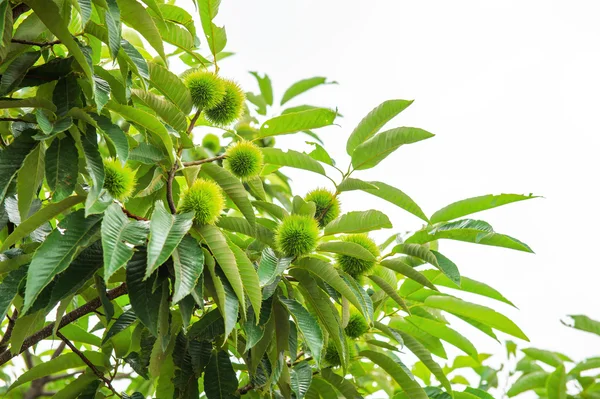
205,160
39,44
170,179
15,120
59,350
9,330
88,362
18,10
194,120
132,216
245,389
70,317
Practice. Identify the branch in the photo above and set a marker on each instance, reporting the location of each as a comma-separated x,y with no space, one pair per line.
245,389
172,172
70,317
194,120
132,216
39,44
206,160
9,330
18,10
15,120
88,362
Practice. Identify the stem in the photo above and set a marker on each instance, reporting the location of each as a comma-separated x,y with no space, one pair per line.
15,120
88,363
70,317
9,330
170,179
206,160
41,44
194,120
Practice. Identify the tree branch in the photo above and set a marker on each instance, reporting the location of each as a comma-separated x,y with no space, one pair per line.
31,43
15,120
170,179
88,363
132,216
205,160
70,317
9,330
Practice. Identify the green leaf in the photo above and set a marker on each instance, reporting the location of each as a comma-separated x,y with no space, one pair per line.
544,356
86,383
49,13
139,64
63,362
584,323
397,372
101,92
145,301
425,356
443,332
377,148
350,184
347,248
266,88
9,288
233,188
321,155
293,159
115,135
240,225
479,313
358,222
479,393
57,251
476,204
271,208
249,277
220,380
112,17
136,16
29,178
188,263
167,111
13,157
302,86
344,386
534,380
37,219
271,266
125,320
119,238
297,121
166,232
171,86
16,70
61,167
468,230
374,121
308,326
301,378
215,36
391,291
327,273
30,102
208,327
217,244
396,197
147,121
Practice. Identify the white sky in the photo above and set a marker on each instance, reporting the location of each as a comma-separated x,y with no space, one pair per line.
510,88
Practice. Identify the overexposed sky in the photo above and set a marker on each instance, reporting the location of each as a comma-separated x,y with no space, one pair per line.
510,88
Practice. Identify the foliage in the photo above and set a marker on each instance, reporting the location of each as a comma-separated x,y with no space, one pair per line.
183,277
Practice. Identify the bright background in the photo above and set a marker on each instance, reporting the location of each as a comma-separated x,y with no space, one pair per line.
510,88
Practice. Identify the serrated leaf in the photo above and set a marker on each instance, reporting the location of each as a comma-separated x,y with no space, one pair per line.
215,36
188,263
527,382
145,301
171,87
297,121
350,184
374,121
270,266
391,291
97,200
344,386
115,135
37,219
266,88
293,159
136,16
397,372
125,320
12,158
468,230
147,121
225,257
167,111
16,70
83,387
9,287
61,167
584,323
120,236
249,277
63,362
376,149
29,178
57,251
476,204
301,378
272,209
302,86
396,197
479,313
30,102
347,248
137,61
166,232
443,332
220,380
308,326
358,222
233,188
49,13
